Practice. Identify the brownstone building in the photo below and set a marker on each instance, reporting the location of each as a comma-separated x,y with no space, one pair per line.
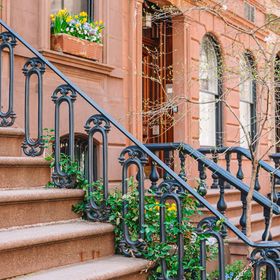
204,73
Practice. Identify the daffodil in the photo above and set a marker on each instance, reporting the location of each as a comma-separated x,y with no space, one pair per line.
83,14
52,17
83,20
68,19
172,207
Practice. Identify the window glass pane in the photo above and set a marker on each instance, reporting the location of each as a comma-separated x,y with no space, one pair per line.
245,119
246,81
207,119
73,6
208,69
56,5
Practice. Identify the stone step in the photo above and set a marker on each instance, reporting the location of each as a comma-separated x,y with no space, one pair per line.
23,172
238,250
34,248
234,209
114,267
19,207
231,195
258,224
10,141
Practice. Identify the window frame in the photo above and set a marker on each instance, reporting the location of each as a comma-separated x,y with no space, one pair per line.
90,8
277,102
250,63
218,94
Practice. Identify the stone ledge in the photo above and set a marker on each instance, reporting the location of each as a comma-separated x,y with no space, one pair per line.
77,62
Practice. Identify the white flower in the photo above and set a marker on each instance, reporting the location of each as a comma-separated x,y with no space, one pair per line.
268,38
211,241
71,30
224,7
67,29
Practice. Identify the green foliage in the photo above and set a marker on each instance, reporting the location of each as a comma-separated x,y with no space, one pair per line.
154,250
237,270
77,25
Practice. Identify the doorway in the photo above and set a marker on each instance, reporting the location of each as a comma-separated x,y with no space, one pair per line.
157,78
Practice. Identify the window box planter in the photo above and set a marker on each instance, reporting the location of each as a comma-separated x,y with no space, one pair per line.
75,46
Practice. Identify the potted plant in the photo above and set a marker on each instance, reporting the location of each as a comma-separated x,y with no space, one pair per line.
76,35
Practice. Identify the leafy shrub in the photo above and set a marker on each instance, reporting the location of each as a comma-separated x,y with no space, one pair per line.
154,250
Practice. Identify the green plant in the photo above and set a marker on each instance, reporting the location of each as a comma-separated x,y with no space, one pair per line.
76,25
154,250
234,271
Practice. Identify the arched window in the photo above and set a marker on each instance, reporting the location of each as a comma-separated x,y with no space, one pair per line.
277,102
73,6
247,108
210,107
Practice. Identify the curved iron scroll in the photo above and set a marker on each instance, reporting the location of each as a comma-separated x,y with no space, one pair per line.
67,95
269,258
97,124
8,41
207,227
135,157
171,191
33,148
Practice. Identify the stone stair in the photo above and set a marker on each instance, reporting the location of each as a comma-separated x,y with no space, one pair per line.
237,249
40,236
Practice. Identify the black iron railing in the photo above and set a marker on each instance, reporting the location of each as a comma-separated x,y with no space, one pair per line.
221,179
264,253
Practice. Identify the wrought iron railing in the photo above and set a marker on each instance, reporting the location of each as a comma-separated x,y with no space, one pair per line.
221,179
264,253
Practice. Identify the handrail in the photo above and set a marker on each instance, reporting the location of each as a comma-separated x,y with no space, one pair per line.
267,167
160,163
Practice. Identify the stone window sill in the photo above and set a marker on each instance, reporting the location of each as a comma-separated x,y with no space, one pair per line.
80,63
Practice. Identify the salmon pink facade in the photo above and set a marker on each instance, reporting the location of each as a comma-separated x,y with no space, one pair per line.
117,82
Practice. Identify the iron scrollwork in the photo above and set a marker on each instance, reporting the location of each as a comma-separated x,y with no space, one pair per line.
63,93
207,226
269,258
97,124
171,191
8,41
33,148
133,156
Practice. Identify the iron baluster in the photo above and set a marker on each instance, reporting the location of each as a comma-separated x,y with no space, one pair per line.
221,205
243,197
168,162
267,216
215,177
31,147
67,95
154,177
257,182
135,157
202,187
228,159
8,41
182,158
97,210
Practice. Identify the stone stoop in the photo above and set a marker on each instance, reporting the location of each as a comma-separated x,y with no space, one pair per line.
40,236
114,267
236,248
